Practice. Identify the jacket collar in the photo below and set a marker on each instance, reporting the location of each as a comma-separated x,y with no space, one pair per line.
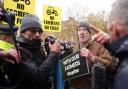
23,42
120,47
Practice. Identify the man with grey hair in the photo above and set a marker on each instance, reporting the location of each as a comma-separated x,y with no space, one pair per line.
118,38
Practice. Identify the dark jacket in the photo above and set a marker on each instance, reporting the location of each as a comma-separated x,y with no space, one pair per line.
120,50
35,65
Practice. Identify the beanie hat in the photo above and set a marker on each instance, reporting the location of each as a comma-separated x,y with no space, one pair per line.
29,21
84,24
5,29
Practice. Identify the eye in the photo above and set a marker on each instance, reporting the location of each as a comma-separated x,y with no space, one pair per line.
40,31
34,30
79,29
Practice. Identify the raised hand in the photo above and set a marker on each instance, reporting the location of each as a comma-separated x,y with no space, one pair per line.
100,36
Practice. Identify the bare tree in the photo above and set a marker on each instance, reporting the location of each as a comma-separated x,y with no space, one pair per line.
77,11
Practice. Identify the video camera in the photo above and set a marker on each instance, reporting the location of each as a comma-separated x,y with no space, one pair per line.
6,14
66,46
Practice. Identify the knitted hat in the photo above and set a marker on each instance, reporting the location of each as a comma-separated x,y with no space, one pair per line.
4,29
29,21
84,24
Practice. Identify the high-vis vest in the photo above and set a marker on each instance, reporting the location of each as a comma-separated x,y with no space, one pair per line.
5,45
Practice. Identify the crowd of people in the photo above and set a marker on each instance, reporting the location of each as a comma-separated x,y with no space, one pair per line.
30,64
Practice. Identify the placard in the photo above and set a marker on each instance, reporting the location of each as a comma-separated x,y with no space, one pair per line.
74,66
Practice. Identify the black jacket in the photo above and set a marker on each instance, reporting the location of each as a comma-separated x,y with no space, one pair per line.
119,48
35,66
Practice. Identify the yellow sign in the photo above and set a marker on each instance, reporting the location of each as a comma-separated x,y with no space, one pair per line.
51,18
20,8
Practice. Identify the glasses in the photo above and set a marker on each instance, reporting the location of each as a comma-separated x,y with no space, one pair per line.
35,30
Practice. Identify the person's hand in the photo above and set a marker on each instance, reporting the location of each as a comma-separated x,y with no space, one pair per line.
56,47
100,36
87,54
12,56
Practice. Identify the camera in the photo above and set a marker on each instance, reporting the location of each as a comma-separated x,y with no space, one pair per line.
67,48
50,39
7,14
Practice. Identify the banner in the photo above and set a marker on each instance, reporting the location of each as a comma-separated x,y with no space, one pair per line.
74,66
51,18
20,8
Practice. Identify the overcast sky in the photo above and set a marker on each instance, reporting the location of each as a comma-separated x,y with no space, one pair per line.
93,5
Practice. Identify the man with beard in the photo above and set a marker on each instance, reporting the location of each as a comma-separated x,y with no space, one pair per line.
35,65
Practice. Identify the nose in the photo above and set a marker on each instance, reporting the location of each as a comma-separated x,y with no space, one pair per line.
37,35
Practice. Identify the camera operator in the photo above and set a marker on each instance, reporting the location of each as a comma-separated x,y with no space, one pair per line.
35,66
8,57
